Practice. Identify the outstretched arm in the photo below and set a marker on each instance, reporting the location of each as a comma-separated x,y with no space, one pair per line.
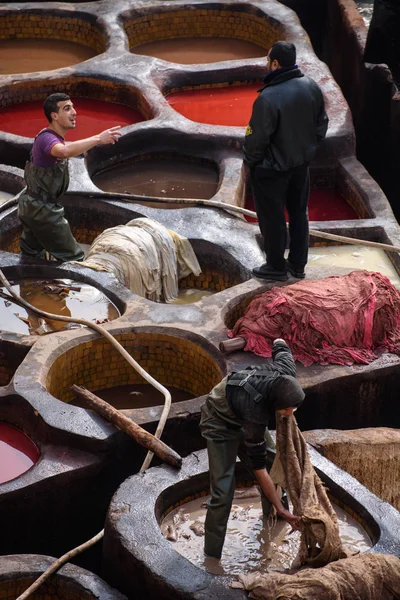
268,487
109,136
283,358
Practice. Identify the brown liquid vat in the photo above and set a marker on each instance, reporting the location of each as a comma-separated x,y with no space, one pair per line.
162,177
45,40
133,536
175,359
18,572
225,33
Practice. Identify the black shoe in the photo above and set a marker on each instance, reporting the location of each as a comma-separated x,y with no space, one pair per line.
297,273
267,272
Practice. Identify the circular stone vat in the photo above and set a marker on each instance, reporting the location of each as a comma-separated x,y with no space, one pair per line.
187,366
146,565
17,452
19,571
93,116
11,182
161,177
11,356
63,297
201,35
37,40
224,104
252,543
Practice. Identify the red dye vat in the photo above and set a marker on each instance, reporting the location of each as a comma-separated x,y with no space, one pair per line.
93,116
325,204
217,106
17,452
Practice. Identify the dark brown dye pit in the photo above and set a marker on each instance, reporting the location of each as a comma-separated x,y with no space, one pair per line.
160,178
252,543
125,397
199,50
25,55
61,297
17,452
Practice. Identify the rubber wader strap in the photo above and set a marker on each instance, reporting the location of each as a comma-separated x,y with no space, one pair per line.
244,383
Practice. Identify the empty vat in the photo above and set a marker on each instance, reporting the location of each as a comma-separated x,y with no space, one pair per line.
41,41
17,452
161,177
146,565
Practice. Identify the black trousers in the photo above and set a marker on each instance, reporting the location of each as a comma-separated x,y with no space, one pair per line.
272,191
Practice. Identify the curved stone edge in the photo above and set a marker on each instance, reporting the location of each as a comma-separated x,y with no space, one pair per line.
33,565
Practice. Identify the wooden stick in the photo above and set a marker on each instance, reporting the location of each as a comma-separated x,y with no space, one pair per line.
59,563
140,435
237,343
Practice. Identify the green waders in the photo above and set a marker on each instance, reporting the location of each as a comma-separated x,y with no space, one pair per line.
224,444
44,224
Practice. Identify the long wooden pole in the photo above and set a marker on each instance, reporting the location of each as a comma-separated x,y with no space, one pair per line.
140,435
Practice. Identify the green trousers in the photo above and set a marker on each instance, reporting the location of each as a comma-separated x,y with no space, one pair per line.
223,446
44,227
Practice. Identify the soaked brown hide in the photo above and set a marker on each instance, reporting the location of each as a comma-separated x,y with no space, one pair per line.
364,577
320,542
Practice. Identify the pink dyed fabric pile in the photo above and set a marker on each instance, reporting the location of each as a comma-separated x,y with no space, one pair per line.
340,320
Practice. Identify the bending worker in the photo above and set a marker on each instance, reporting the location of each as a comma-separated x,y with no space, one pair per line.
234,421
46,176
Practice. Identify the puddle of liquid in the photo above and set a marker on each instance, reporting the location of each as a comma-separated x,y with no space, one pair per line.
26,55
190,296
199,50
17,452
125,397
325,204
217,106
252,543
62,297
354,257
93,116
160,178
365,9
4,196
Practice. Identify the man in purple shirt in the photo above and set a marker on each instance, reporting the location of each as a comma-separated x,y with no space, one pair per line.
45,227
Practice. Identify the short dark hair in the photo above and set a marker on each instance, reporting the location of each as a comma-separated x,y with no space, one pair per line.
284,53
50,104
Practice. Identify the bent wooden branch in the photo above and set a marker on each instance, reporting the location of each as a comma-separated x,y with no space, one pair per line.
143,437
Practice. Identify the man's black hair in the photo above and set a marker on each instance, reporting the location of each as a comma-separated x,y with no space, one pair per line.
284,53
50,104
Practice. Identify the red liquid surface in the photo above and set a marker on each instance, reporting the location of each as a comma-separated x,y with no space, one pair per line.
17,452
93,116
325,204
217,106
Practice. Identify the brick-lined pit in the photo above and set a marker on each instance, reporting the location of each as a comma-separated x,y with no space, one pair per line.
173,361
214,281
82,87
42,25
198,22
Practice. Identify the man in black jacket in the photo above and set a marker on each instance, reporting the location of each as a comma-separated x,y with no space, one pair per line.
234,422
287,122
